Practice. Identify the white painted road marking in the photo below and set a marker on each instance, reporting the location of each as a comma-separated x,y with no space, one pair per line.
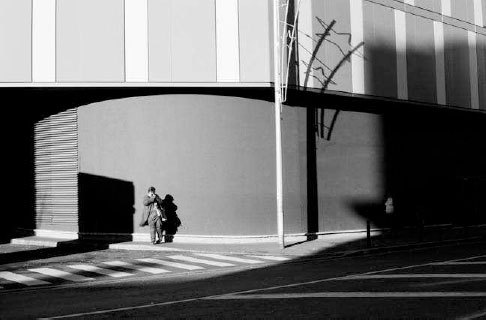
172,264
203,261
292,285
476,315
274,258
135,267
28,281
460,263
227,258
350,295
412,275
61,274
108,272
465,259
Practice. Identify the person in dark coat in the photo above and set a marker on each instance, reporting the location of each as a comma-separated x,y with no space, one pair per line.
153,215
173,222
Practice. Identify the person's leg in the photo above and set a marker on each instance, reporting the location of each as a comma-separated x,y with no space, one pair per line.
158,228
152,231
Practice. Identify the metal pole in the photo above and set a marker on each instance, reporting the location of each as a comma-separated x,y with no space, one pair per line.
278,114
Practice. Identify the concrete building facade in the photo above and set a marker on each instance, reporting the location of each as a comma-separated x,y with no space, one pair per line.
385,97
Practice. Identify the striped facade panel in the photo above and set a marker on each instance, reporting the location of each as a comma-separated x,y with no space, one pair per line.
431,5
456,47
256,39
15,41
56,171
159,40
483,4
379,50
334,71
481,52
463,10
90,41
193,40
421,59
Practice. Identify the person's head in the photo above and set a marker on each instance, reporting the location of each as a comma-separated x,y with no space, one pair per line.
151,191
168,198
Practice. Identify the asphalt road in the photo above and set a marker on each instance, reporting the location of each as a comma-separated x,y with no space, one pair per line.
436,283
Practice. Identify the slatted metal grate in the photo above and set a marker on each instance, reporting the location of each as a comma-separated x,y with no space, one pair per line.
56,170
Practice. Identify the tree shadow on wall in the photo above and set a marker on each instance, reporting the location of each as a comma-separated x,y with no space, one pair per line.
320,124
106,208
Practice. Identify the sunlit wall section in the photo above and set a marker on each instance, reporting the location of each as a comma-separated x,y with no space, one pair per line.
15,40
331,67
213,154
90,41
255,31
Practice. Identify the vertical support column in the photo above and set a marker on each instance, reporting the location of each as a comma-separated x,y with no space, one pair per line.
136,41
439,62
278,120
44,40
227,41
401,50
473,70
357,36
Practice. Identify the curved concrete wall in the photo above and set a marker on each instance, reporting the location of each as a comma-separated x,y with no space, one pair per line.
214,155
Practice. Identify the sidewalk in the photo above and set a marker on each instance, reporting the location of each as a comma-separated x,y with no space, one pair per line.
331,245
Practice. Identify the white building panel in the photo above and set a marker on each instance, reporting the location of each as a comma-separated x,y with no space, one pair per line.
357,59
227,41
44,40
136,41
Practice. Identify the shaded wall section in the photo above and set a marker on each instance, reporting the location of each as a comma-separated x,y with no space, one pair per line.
379,50
456,54
421,72
349,168
106,205
214,155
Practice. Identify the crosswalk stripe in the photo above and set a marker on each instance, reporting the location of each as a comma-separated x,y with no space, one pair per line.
134,267
108,272
407,276
28,281
172,264
203,261
61,274
274,258
222,257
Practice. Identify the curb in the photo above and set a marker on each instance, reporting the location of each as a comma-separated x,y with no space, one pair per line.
79,244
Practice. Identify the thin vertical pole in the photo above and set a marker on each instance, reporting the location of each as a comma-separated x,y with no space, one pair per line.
278,114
